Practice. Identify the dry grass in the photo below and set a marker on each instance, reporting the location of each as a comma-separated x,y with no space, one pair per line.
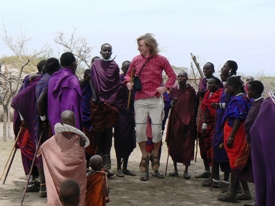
13,62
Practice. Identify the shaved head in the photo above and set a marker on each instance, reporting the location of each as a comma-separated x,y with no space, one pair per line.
96,162
68,117
183,73
69,193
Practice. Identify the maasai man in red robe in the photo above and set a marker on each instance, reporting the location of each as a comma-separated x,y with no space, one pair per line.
181,130
220,159
209,114
235,143
208,71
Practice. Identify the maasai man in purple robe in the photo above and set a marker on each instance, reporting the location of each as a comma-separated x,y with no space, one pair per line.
254,91
220,159
87,94
262,139
41,123
124,130
105,83
86,113
181,130
64,92
208,70
24,117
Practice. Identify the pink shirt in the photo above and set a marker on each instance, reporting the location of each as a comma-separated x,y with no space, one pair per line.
151,75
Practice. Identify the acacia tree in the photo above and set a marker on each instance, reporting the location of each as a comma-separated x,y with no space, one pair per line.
78,46
11,83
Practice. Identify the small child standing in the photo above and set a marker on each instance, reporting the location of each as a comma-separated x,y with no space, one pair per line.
69,193
97,186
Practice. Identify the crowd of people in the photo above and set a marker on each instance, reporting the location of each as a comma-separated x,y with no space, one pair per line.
72,123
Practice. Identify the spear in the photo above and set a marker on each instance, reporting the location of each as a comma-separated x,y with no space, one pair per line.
171,118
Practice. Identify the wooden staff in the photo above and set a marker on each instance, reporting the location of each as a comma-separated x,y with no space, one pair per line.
193,57
130,91
212,159
171,118
32,165
213,153
9,166
197,137
166,167
13,151
197,64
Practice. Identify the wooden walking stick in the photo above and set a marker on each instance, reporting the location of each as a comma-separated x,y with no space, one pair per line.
13,150
166,168
197,137
171,118
213,153
32,165
8,170
130,91
193,57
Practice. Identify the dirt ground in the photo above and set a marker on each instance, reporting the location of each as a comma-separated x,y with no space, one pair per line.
127,191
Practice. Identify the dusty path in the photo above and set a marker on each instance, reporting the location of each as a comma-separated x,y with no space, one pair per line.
127,191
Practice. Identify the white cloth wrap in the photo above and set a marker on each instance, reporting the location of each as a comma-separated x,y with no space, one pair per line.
58,128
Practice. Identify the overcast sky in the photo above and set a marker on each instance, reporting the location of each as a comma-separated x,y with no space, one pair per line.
215,31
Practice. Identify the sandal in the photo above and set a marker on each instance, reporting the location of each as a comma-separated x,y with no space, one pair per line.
119,173
158,175
244,196
227,197
174,174
186,175
206,174
145,176
128,172
252,203
42,194
155,162
32,188
144,163
109,174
